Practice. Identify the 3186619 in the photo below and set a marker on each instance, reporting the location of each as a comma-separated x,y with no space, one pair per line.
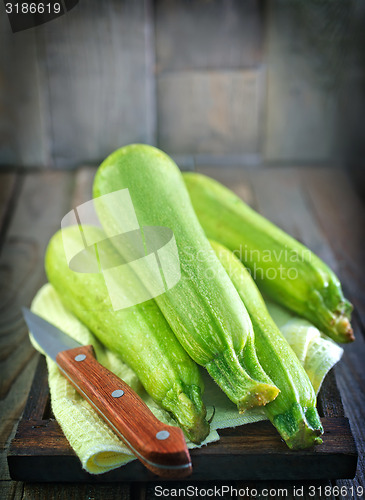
33,8
328,491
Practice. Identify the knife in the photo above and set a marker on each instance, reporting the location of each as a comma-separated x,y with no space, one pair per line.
160,447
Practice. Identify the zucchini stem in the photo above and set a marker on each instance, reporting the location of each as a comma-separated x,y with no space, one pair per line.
243,390
185,403
299,428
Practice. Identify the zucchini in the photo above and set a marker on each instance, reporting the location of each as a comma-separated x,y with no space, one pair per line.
293,412
140,334
284,269
206,314
315,350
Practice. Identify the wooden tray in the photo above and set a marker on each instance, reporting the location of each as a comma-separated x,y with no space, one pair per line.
40,452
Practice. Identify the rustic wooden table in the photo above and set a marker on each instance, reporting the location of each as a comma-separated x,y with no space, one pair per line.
316,205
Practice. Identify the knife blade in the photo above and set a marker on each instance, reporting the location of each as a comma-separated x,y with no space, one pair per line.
160,447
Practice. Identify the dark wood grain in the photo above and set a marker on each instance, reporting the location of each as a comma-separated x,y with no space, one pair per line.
78,87
83,188
40,204
64,491
41,451
234,457
341,216
218,112
14,364
12,490
300,111
23,128
97,80
138,491
204,35
38,397
351,381
329,397
11,408
7,195
129,415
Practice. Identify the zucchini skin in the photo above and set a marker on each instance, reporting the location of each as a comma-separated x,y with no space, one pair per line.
140,334
301,281
293,412
207,315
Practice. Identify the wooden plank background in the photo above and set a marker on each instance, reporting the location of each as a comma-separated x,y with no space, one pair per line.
211,80
218,84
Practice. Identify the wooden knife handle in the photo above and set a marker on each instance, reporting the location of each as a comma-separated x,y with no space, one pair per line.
160,447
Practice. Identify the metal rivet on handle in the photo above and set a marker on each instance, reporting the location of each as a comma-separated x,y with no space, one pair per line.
118,393
162,435
80,357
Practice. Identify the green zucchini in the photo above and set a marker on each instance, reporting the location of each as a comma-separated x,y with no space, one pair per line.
140,334
284,269
293,412
315,350
206,314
